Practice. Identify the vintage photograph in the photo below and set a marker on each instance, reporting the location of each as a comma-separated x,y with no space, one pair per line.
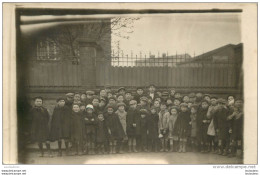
104,86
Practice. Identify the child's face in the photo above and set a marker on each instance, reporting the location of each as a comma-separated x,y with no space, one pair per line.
193,110
163,107
189,105
120,98
95,102
100,117
143,103
143,115
207,98
159,94
231,100
172,92
75,108
77,97
157,104
213,101
112,101
103,93
140,91
38,102
121,108
199,95
89,111
153,111
83,97
239,102
110,110
89,96
109,95
82,108
177,95
184,108
128,96
122,91
169,101
186,99
133,106
177,102
173,111
204,105
61,103
152,89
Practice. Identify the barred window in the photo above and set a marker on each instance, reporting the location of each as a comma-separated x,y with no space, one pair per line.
47,50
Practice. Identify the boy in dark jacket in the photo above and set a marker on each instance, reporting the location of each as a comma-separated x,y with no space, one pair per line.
143,129
152,127
90,129
101,135
40,125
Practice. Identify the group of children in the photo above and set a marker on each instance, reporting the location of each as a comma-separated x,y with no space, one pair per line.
166,121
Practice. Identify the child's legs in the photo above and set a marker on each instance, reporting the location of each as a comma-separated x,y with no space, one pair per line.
130,141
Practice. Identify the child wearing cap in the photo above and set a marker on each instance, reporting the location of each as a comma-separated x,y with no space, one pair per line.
221,126
132,125
121,113
193,123
173,136
101,135
202,127
114,128
89,97
76,98
60,125
90,129
152,127
143,129
182,127
213,142
40,125
77,129
163,125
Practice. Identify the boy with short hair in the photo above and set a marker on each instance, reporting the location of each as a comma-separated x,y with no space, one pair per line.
163,126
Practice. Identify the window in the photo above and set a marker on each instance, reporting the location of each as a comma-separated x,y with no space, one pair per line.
47,50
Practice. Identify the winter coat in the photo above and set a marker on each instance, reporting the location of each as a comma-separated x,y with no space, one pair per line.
182,127
114,126
60,123
193,124
172,122
122,119
143,127
40,124
101,134
237,127
163,123
202,125
90,123
77,126
152,126
221,124
132,118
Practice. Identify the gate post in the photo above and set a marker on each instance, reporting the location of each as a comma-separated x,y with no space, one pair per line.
88,52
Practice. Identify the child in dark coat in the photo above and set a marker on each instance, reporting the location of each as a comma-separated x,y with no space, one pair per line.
202,126
114,128
172,121
40,125
143,129
77,129
193,123
152,127
101,136
90,129
163,126
60,125
132,120
182,126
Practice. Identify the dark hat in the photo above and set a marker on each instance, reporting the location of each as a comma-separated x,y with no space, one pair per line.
114,98
221,100
206,95
184,104
132,102
121,104
144,98
78,104
153,107
140,87
82,104
59,99
174,107
165,93
71,95
95,97
38,97
192,95
143,111
100,113
110,106
204,101
152,85
121,88
195,106
128,92
90,92
103,99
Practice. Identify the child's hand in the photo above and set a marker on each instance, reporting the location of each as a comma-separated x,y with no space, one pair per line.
230,131
190,123
134,125
109,131
92,120
86,119
204,121
147,132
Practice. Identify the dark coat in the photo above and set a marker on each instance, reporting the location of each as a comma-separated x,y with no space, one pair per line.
152,126
202,125
60,123
90,123
143,127
237,127
40,124
132,118
69,104
221,124
182,127
101,134
77,126
137,98
113,124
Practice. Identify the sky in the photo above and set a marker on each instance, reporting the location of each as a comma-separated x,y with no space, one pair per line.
194,34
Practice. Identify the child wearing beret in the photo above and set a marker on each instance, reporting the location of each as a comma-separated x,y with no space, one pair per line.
40,125
60,125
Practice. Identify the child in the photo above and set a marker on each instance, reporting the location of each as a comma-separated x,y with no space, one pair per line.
152,127
207,98
156,105
102,104
182,126
95,103
69,100
177,102
120,98
77,98
169,103
121,113
82,107
211,130
165,95
193,123
172,93
143,129
114,128
128,98
143,104
90,129
132,124
103,94
60,125
177,95
202,127
186,99
83,98
173,136
111,102
121,91
192,97
77,128
221,126
151,92
163,125
101,134
40,125
89,97
109,94
139,94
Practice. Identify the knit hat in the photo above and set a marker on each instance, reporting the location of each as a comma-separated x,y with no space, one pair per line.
71,95
121,104
90,107
90,92
59,99
184,104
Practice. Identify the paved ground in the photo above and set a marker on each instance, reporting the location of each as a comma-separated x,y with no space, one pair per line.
32,157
